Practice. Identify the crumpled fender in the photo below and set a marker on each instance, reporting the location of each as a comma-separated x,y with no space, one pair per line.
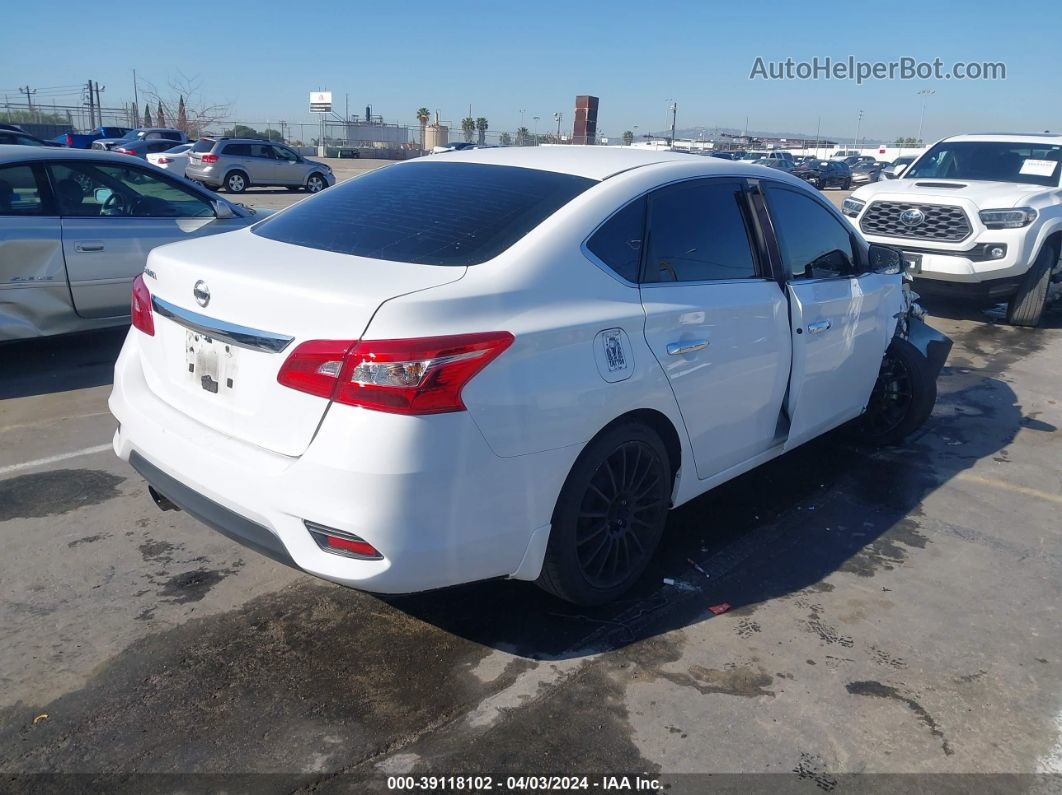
910,326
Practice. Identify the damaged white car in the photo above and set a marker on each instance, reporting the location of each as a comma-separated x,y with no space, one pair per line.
76,227
509,362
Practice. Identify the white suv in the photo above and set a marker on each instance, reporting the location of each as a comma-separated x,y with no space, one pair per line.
508,362
977,217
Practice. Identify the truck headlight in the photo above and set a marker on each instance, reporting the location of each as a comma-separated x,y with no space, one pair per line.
1008,219
852,207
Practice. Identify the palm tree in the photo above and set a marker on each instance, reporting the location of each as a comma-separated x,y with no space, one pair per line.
468,128
523,137
505,139
423,114
628,137
481,128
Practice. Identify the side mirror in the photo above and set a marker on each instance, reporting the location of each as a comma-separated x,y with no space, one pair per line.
222,209
884,259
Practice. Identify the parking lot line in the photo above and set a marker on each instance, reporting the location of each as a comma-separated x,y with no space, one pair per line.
1001,484
52,421
54,458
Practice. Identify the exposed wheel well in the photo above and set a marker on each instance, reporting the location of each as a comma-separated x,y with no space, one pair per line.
1053,239
663,428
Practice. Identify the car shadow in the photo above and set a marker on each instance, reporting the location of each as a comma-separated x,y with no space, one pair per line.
828,506
957,310
59,364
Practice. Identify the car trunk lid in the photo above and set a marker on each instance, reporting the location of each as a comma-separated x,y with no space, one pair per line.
229,310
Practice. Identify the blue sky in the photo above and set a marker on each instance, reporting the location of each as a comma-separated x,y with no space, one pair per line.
262,59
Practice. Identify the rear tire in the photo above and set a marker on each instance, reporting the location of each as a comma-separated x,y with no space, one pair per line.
236,182
609,517
1026,307
903,396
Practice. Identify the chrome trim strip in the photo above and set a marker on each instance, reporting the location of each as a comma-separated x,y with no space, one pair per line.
232,333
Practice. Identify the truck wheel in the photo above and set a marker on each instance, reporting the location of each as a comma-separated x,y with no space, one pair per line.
903,396
236,182
609,516
1027,305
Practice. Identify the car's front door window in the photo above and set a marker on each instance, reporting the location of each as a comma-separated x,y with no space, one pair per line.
103,189
813,244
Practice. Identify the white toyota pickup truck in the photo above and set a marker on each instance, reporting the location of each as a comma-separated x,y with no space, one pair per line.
977,217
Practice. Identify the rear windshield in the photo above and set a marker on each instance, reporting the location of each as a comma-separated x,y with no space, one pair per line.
204,145
427,213
994,161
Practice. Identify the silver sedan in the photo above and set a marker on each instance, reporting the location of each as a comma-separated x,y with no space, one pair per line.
76,227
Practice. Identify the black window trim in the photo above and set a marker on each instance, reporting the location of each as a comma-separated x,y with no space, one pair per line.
160,175
764,267
859,253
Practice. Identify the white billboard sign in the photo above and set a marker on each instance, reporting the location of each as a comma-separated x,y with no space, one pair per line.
320,102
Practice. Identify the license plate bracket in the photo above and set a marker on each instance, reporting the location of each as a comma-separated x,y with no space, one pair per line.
210,364
912,262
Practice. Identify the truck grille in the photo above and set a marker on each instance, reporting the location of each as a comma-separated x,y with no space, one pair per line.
940,222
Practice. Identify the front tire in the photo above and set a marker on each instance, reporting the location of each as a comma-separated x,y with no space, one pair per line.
315,184
1027,306
609,517
903,396
236,182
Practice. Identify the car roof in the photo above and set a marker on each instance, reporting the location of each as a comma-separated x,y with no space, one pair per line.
1054,139
11,153
593,162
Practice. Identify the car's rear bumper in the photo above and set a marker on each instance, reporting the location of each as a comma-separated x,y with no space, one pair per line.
427,492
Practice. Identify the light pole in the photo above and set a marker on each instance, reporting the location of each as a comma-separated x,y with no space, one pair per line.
859,125
522,111
536,118
925,93
557,117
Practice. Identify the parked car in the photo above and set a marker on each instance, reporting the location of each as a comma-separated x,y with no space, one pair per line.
13,138
141,133
238,163
174,159
453,146
843,154
866,172
144,147
10,127
896,168
84,140
76,226
509,362
825,174
979,217
723,155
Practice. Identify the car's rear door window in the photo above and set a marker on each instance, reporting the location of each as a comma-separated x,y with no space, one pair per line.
428,213
19,192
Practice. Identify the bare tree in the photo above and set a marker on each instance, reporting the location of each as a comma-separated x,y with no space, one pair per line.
200,113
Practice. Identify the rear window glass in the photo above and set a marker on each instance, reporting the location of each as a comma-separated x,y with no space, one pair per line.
203,145
427,213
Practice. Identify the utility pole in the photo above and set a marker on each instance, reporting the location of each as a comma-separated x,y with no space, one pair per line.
674,113
99,105
92,106
818,129
924,94
29,96
136,103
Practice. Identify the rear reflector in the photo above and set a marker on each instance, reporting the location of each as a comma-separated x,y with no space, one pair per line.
340,542
140,308
414,376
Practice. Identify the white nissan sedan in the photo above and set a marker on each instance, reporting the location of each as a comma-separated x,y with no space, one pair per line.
508,362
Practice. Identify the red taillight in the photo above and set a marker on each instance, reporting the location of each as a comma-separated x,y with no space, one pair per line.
69,139
122,151
140,308
164,160
210,158
415,376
